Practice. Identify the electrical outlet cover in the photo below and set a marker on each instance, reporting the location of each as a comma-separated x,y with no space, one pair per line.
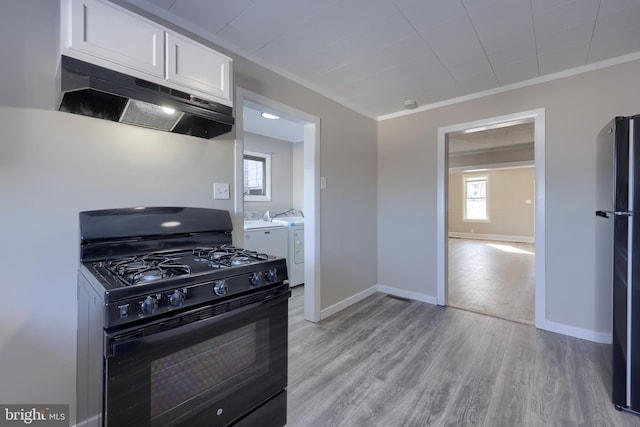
221,191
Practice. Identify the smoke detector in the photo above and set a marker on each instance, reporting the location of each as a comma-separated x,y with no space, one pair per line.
410,104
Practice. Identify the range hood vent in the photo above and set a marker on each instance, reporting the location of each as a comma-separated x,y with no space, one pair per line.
94,91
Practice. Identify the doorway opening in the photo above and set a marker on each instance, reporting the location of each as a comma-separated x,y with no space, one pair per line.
446,136
491,229
307,174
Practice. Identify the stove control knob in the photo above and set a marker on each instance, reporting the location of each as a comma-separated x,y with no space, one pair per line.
149,305
220,287
176,299
255,279
272,275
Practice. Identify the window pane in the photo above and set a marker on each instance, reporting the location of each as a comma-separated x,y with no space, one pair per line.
476,209
254,176
476,198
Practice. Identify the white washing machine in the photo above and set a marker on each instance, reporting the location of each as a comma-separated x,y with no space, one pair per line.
271,238
293,220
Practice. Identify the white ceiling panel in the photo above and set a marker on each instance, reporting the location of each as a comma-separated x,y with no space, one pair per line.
560,60
454,40
372,54
244,40
517,71
266,21
408,50
211,16
495,19
617,30
621,43
283,53
576,37
465,70
282,128
423,15
565,15
608,7
512,52
370,42
478,82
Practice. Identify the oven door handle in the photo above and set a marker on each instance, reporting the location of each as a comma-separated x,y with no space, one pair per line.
119,344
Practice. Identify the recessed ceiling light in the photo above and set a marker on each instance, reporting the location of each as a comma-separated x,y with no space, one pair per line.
269,116
168,110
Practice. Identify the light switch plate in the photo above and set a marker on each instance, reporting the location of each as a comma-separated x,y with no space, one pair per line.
221,191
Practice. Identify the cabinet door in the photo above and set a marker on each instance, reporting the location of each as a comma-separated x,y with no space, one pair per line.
270,241
196,66
108,33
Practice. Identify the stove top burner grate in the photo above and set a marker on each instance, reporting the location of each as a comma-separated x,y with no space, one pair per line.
142,269
228,256
155,266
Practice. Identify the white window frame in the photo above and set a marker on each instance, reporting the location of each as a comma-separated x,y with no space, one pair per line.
267,185
471,178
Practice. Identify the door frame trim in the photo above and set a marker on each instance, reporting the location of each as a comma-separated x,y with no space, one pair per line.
312,282
538,116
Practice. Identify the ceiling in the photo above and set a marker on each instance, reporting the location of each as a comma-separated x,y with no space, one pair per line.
496,137
372,55
284,128
499,137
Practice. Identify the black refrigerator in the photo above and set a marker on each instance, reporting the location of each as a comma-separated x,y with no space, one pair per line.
625,390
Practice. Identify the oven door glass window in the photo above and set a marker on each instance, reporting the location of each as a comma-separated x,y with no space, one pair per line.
224,363
185,372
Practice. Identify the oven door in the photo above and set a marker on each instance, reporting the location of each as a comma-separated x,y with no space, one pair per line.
190,371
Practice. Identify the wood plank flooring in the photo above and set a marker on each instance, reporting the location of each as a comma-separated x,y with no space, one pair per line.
389,362
495,278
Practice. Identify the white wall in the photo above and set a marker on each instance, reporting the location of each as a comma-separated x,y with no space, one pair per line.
576,109
348,159
298,176
53,165
509,214
281,171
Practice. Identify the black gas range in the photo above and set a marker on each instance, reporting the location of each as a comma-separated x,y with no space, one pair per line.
146,286
175,325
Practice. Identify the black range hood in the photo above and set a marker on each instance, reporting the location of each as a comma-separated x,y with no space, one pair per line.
94,91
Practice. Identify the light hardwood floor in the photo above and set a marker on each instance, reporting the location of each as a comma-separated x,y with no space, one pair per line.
392,362
495,278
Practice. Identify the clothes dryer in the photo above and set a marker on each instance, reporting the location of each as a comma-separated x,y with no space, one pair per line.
293,220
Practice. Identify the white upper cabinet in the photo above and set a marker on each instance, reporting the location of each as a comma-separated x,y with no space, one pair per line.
196,66
107,35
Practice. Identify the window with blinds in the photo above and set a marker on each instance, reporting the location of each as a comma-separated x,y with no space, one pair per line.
475,198
257,176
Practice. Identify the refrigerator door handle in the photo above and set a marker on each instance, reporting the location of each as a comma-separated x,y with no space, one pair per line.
605,214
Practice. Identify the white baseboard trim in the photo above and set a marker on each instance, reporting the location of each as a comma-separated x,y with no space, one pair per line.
347,302
403,293
497,237
572,331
